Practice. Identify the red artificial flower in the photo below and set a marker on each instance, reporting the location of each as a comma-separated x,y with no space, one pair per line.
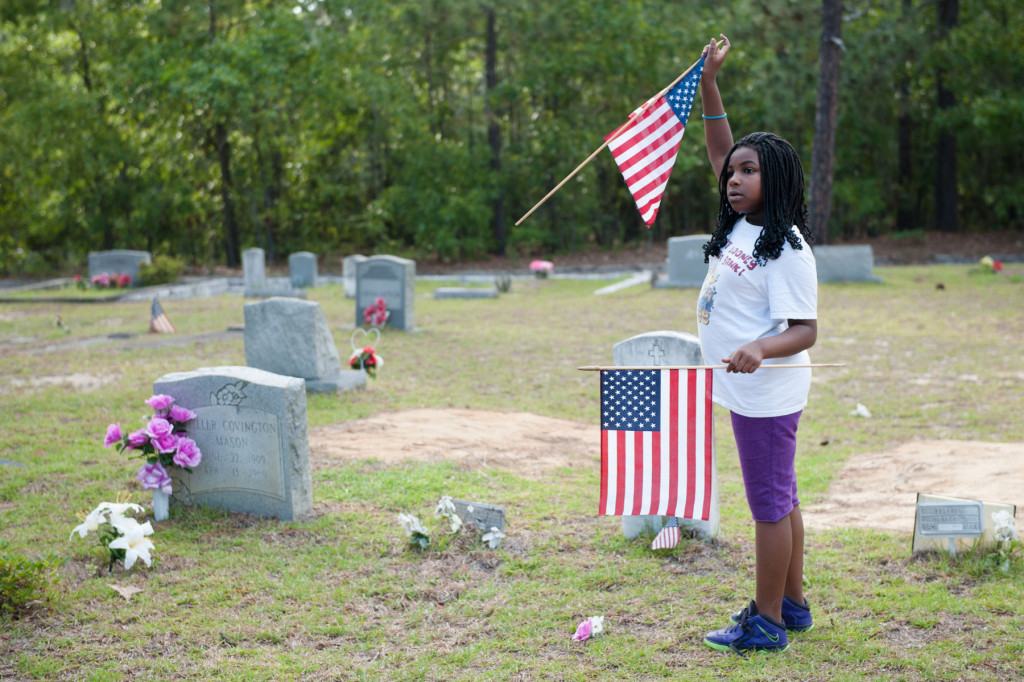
997,265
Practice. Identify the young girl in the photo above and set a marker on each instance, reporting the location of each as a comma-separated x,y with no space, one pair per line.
758,305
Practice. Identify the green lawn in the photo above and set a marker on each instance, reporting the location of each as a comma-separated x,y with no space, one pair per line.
342,596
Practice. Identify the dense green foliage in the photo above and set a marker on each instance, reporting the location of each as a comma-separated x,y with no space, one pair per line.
200,128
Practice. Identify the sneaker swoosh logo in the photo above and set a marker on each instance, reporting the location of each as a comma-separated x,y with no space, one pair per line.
774,638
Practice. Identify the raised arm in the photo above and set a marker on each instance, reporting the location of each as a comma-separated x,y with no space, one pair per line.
717,133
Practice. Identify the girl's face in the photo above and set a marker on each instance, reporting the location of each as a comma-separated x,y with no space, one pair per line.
743,184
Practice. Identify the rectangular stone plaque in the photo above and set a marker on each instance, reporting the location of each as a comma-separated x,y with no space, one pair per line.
241,451
392,279
961,519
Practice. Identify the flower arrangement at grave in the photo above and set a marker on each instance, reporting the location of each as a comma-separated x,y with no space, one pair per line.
1006,543
367,360
105,280
542,268
591,627
122,536
163,444
376,314
450,526
989,266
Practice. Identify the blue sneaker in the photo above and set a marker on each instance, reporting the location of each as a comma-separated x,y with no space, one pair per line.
753,632
795,615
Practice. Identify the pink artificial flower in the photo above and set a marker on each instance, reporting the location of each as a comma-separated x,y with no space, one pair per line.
113,435
583,631
154,476
78,278
188,454
181,414
166,443
136,439
158,427
160,402
997,265
124,280
381,304
542,266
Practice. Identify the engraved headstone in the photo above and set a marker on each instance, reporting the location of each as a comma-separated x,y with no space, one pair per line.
121,261
845,263
686,266
666,349
348,273
291,337
252,429
392,279
302,269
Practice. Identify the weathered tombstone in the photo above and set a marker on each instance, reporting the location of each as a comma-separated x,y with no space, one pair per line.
291,337
254,269
483,516
847,263
686,266
666,349
348,273
392,279
251,427
121,261
302,269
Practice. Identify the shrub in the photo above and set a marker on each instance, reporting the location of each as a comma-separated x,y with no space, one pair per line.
22,580
163,270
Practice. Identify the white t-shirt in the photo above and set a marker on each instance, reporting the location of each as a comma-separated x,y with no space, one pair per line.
742,301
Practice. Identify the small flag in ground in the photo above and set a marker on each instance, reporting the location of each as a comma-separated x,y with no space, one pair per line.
657,443
646,151
668,537
158,321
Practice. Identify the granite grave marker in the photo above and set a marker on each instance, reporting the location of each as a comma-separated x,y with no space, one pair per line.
302,269
686,266
121,261
392,279
251,427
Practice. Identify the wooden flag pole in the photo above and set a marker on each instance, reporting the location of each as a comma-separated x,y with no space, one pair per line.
647,105
806,366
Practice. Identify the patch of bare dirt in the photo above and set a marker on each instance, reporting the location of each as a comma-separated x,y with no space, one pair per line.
874,490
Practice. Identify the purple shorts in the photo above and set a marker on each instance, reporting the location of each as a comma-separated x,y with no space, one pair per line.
767,449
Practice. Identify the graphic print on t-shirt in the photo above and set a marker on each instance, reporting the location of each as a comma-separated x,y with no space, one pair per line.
707,298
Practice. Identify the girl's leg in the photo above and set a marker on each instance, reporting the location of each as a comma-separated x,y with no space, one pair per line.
773,547
795,576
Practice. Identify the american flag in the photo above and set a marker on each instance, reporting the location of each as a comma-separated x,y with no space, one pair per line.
667,537
158,321
647,150
656,443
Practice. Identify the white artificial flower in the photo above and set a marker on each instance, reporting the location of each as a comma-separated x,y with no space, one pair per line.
411,524
1004,529
445,506
92,521
133,541
598,624
117,511
862,411
493,538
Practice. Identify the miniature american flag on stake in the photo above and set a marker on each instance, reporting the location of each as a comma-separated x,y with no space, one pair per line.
646,151
657,443
158,321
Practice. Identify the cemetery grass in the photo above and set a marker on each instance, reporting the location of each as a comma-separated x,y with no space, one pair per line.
341,595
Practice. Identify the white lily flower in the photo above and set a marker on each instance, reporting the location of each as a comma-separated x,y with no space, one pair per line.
1004,528
493,538
117,511
133,541
445,506
92,521
411,524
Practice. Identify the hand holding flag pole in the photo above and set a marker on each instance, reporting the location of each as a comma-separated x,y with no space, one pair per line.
636,116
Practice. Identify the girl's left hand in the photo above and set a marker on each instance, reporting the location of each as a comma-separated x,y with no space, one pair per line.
745,359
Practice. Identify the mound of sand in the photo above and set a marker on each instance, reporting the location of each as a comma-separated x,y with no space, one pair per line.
873,490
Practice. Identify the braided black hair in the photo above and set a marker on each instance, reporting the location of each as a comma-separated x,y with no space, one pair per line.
782,186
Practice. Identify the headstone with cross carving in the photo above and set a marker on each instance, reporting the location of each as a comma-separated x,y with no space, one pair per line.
666,349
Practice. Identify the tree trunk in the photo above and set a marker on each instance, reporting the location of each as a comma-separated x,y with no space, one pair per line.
223,148
906,213
494,133
945,162
823,147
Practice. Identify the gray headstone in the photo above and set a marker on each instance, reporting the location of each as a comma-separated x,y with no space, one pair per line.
348,273
483,516
465,292
686,266
302,269
121,261
251,428
666,349
254,269
291,337
852,263
392,279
